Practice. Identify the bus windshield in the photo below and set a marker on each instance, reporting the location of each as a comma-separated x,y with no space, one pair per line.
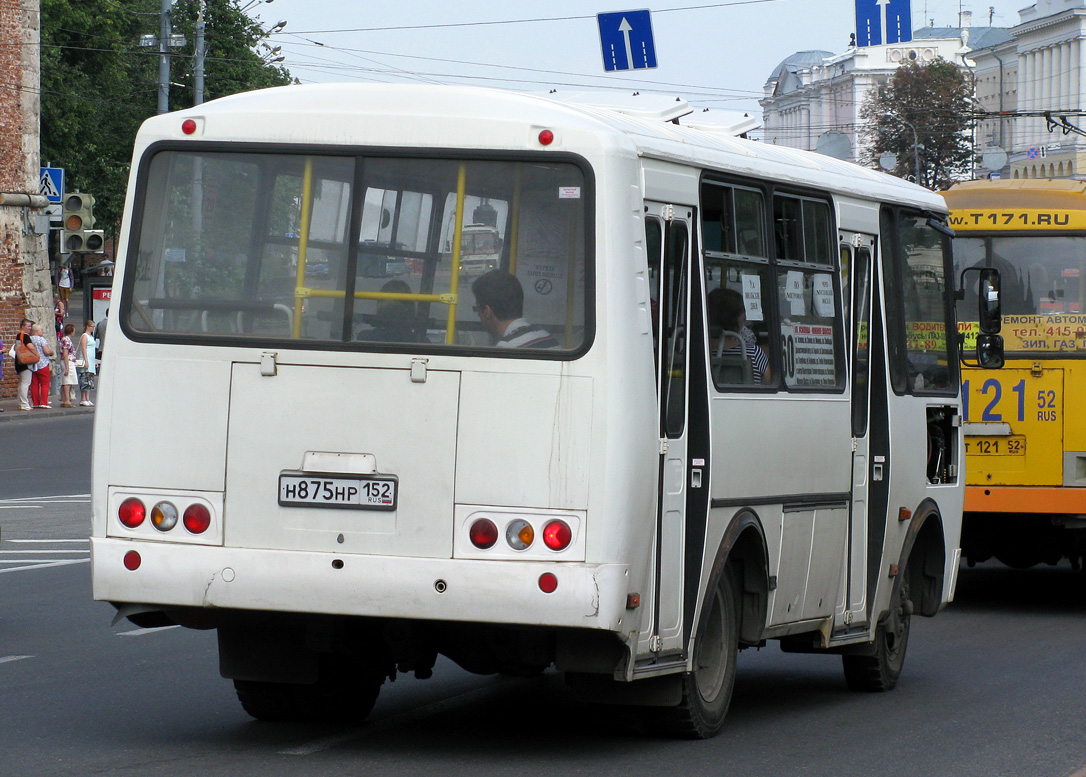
1043,295
320,250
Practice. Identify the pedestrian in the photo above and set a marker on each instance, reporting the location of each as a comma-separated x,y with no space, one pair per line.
84,364
64,285
58,314
68,377
22,370
100,336
39,381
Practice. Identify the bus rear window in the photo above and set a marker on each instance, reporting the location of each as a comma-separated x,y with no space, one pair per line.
412,253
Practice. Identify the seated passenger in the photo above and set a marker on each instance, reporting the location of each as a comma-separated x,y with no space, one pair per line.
499,302
729,333
395,319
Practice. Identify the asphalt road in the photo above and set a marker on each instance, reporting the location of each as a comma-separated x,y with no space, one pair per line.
996,685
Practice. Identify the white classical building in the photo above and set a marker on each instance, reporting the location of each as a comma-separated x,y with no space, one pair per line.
1040,69
812,99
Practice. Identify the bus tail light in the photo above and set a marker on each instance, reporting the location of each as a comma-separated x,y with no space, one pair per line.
519,534
131,512
197,518
164,516
557,535
483,533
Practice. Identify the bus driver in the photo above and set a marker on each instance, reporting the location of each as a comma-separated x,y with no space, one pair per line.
499,302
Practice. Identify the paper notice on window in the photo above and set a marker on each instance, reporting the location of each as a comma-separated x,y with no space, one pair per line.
752,297
808,355
793,292
823,295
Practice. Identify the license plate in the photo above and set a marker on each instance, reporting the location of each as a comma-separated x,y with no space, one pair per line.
996,446
354,492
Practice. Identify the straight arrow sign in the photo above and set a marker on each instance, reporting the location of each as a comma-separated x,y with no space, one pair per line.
626,40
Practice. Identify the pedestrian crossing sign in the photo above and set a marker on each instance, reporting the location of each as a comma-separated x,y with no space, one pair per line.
52,183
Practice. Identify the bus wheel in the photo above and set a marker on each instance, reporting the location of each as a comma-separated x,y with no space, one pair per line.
707,691
880,671
267,701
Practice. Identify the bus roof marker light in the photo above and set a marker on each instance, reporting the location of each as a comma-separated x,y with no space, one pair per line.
188,126
546,137
548,583
557,535
131,512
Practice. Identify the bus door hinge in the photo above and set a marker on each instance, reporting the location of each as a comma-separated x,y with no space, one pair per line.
267,364
656,644
855,445
668,213
663,446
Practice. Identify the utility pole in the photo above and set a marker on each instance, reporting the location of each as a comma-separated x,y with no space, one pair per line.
164,31
198,69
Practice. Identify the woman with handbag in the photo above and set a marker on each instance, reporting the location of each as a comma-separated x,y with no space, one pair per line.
26,356
43,371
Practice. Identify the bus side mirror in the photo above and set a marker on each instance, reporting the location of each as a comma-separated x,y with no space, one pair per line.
990,307
989,351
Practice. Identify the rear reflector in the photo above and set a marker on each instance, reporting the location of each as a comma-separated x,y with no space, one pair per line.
548,583
132,560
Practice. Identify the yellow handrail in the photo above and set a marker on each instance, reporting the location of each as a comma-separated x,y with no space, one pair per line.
303,246
458,231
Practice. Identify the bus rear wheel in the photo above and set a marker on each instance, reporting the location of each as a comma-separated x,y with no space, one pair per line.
881,670
342,694
707,691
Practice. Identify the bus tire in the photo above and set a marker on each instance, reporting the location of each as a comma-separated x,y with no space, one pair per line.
267,701
342,694
880,670
707,691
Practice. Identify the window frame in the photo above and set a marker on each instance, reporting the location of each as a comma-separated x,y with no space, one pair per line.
360,155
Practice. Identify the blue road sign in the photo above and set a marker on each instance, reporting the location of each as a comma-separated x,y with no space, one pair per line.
52,183
626,39
883,21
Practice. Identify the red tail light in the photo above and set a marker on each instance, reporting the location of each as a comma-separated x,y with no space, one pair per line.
132,512
483,533
197,518
557,535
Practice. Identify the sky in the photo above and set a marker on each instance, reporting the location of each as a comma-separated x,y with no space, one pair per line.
716,55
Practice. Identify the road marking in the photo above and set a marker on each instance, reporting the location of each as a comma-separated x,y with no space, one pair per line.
376,726
141,632
49,542
51,499
43,550
43,564
6,659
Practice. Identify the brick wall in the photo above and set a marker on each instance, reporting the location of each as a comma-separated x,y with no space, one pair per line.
25,286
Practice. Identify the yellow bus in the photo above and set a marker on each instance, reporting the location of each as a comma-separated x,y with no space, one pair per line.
1025,427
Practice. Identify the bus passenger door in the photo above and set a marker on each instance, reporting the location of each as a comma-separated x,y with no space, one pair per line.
670,236
869,477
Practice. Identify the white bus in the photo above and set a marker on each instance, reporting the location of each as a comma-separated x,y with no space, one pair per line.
349,475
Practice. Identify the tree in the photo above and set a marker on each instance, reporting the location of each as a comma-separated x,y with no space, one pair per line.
98,84
922,108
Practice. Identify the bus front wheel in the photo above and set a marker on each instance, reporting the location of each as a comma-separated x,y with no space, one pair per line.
880,670
707,690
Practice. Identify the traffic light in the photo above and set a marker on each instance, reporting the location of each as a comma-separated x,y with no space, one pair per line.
77,217
95,240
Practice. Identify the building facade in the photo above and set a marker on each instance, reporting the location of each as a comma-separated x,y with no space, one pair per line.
25,285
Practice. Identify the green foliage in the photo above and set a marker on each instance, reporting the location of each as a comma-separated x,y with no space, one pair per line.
925,104
99,85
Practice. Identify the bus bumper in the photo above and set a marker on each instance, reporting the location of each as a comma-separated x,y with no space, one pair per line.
1025,499
508,592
